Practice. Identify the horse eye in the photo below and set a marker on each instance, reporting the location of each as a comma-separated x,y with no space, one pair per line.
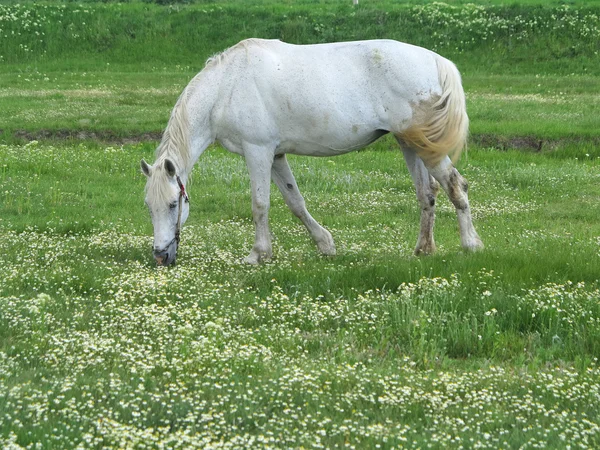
173,205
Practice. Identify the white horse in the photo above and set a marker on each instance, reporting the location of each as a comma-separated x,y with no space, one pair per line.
263,99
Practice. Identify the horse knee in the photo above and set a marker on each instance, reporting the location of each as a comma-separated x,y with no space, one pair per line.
297,207
260,208
430,200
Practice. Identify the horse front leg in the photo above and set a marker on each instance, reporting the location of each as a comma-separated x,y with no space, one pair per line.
259,161
456,188
284,179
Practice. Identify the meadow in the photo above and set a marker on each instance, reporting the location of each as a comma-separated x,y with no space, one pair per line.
374,348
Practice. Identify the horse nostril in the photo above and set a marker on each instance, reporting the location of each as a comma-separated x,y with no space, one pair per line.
161,259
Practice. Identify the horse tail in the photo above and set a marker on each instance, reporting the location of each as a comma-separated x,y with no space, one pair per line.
441,128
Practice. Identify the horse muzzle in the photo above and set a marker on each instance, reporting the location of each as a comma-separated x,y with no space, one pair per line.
166,256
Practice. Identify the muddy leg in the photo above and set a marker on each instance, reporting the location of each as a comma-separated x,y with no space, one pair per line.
456,188
427,190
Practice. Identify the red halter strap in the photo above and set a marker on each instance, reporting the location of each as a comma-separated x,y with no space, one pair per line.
182,196
182,192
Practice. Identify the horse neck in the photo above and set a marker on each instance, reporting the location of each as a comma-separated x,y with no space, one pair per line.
200,96
189,130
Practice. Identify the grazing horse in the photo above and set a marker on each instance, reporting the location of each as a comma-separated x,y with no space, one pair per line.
263,99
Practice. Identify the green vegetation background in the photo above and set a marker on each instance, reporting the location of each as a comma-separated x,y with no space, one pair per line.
492,37
531,69
99,348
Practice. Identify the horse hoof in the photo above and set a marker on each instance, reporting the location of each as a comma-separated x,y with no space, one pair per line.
423,252
325,243
428,248
256,258
327,250
475,246
251,261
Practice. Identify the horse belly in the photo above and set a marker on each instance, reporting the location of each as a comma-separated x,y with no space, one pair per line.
327,121
330,145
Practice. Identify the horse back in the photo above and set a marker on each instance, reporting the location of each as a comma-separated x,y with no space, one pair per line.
339,96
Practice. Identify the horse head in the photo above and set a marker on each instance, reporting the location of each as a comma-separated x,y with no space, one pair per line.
168,204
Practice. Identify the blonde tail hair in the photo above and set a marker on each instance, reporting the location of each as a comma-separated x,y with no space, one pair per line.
444,125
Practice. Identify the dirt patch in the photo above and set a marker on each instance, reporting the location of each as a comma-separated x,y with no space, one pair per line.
525,143
506,143
106,136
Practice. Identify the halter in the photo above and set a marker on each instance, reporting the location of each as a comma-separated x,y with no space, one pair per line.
182,195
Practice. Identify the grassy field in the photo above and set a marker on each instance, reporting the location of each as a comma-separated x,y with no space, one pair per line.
374,348
116,69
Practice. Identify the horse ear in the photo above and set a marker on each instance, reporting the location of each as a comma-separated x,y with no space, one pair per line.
145,168
170,168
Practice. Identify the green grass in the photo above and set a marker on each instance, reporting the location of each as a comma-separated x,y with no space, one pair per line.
99,348
512,38
362,348
114,70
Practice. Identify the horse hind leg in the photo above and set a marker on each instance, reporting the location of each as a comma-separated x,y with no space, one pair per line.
285,181
456,187
427,189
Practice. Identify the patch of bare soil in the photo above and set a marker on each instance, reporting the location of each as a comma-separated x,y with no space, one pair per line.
506,143
525,143
106,136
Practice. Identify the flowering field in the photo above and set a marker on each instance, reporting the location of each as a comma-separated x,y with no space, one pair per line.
552,36
375,348
371,349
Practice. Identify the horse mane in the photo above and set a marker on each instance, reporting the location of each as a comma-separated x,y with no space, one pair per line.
219,58
175,146
175,143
